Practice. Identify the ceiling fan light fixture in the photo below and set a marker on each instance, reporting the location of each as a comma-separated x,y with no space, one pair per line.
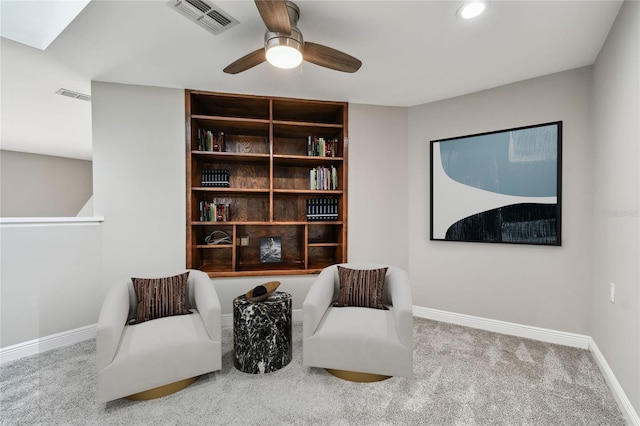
471,9
283,56
284,51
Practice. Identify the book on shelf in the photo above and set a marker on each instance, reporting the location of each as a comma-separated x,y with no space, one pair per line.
322,147
214,212
215,177
322,209
323,178
211,141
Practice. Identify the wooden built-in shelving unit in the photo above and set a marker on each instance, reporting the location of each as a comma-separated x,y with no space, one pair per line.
266,156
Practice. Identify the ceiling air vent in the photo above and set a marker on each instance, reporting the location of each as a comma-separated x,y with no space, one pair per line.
207,15
75,95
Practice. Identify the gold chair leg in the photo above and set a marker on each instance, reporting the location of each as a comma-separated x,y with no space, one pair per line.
354,376
161,391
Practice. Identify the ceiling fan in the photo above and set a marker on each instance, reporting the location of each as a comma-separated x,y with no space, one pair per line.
283,42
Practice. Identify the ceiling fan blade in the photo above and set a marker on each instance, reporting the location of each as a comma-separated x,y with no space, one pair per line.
330,58
274,15
247,61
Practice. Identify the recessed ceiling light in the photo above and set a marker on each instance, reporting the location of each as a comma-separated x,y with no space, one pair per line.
472,9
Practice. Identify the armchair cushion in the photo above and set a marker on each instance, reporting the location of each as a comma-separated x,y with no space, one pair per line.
160,297
361,287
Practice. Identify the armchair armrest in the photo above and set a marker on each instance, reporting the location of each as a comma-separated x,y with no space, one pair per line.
111,323
207,303
318,300
400,294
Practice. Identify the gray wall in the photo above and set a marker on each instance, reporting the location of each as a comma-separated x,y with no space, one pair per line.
616,193
35,185
49,279
539,286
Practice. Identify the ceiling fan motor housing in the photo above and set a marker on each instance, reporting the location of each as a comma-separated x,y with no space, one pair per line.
294,39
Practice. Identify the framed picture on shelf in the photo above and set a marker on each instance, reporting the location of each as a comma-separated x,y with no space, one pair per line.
499,187
270,249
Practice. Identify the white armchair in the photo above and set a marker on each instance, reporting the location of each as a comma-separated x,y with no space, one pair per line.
359,340
136,358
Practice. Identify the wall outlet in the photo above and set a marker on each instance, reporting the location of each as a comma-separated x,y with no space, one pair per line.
244,241
612,293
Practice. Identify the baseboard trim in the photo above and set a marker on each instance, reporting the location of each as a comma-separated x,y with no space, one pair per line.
544,335
624,403
510,328
43,344
227,319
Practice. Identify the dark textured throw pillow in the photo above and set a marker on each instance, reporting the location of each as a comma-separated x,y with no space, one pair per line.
361,287
160,297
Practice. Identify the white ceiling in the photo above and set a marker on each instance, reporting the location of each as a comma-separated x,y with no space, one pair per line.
413,52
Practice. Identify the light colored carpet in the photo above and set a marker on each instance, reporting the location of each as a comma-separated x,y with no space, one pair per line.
463,377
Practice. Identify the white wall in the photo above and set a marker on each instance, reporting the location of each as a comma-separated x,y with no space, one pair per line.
49,279
616,193
139,179
378,185
541,286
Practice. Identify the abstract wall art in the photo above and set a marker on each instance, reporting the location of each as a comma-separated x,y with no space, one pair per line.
498,187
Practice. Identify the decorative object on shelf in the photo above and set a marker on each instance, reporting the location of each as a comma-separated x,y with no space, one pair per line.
218,237
218,178
213,212
261,292
321,147
322,209
323,178
502,186
270,249
211,141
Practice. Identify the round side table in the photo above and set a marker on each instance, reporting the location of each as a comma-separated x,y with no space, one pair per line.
262,333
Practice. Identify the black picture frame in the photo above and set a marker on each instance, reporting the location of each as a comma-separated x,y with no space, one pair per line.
503,186
270,249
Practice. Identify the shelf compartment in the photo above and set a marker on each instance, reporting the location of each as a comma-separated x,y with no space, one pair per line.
297,177
239,139
248,257
284,132
200,233
243,177
291,207
214,260
322,256
229,105
308,111
325,234
243,207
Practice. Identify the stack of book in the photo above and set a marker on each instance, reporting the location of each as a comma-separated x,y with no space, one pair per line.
212,212
215,177
211,141
323,178
321,147
322,209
